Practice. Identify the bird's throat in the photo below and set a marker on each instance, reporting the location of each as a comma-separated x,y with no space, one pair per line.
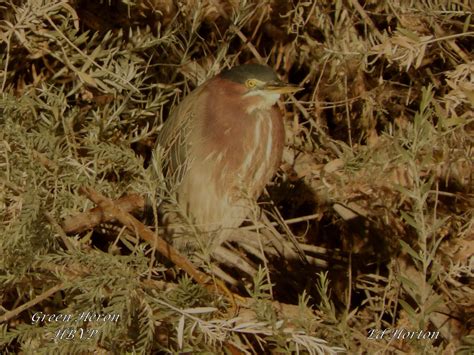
261,100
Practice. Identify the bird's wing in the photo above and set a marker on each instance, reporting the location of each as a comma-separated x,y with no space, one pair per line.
173,139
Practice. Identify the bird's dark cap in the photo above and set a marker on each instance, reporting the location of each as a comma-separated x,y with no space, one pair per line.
244,72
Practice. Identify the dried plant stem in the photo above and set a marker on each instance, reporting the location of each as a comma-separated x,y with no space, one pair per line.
112,211
248,44
38,299
95,216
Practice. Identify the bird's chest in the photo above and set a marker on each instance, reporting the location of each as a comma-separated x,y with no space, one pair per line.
256,153
229,166
239,157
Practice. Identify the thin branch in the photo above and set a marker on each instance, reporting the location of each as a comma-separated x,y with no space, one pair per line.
33,302
95,216
111,210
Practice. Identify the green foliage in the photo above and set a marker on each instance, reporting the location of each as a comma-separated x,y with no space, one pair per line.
384,127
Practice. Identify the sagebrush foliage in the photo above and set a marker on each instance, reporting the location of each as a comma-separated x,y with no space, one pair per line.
379,156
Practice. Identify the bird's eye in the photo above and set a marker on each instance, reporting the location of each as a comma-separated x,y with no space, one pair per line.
251,83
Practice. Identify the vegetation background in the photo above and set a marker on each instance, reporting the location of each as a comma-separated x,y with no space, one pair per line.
376,183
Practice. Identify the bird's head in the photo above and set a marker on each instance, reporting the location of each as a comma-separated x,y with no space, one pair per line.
260,83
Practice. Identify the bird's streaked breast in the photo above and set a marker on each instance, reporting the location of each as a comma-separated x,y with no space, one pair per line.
235,152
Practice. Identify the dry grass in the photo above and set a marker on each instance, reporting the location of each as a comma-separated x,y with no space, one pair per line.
377,174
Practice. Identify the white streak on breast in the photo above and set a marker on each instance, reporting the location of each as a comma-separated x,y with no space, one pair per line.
266,145
253,145
269,140
209,156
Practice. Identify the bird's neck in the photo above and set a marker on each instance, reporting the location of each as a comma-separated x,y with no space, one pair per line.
259,100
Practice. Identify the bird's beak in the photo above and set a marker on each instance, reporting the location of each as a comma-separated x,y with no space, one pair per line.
281,87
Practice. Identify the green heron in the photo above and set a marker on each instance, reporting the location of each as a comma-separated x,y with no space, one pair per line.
222,144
